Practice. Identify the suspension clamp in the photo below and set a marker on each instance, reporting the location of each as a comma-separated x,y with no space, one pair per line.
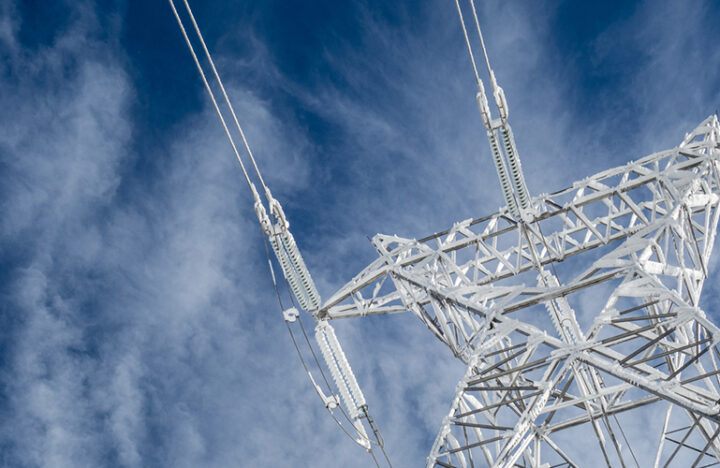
484,106
260,212
277,211
331,402
291,314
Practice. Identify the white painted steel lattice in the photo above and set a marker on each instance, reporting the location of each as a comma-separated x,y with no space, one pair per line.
629,377
576,313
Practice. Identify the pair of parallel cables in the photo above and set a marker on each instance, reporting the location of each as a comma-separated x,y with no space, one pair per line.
513,184
297,276
283,244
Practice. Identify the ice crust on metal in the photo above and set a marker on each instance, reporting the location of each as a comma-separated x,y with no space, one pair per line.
634,375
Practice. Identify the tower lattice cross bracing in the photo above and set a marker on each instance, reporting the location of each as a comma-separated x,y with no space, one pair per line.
577,314
554,379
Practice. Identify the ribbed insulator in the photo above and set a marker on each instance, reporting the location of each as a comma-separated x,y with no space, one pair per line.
321,336
289,272
345,368
553,316
559,309
502,174
569,315
303,274
515,166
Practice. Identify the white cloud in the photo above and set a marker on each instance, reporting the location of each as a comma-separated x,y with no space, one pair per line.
142,328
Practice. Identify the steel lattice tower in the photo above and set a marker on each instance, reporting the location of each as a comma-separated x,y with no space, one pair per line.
537,382
576,313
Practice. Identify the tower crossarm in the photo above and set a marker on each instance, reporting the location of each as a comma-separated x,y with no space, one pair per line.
607,207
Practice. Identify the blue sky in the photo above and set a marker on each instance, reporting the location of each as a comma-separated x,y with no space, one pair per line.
139,326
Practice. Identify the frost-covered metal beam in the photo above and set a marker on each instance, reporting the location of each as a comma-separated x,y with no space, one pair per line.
596,211
486,289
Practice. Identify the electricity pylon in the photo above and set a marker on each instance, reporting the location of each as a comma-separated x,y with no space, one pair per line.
554,367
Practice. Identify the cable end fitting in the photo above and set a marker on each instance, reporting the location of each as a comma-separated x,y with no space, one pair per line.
261,213
484,106
291,314
501,103
277,211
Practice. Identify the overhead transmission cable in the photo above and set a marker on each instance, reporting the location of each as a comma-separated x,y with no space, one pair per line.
506,133
512,182
477,26
297,348
210,92
505,130
497,156
469,47
281,239
227,99
379,439
294,269
363,437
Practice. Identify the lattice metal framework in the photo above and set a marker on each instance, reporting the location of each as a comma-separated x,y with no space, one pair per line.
552,366
617,366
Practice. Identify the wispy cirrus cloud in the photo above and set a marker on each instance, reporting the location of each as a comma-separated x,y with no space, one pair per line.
139,322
